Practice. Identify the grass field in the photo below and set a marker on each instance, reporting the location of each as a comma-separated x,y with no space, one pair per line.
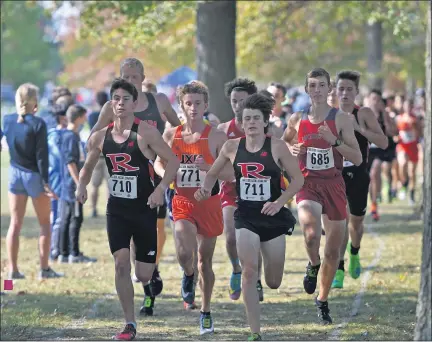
83,305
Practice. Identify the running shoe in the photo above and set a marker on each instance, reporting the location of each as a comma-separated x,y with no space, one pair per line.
128,333
260,291
338,280
310,278
50,273
188,288
147,307
235,286
374,212
255,337
16,275
323,312
156,283
354,268
192,306
206,324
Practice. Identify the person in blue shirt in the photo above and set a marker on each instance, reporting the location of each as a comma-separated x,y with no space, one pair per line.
101,171
26,136
70,210
55,174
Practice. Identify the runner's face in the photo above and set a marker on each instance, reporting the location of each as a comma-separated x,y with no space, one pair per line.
346,92
132,75
237,98
277,94
332,99
318,89
122,103
194,106
253,122
374,101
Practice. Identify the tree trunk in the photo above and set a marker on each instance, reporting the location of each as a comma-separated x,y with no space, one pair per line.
374,55
216,51
423,329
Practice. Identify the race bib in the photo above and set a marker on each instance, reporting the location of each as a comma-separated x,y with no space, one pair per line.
123,186
347,163
319,159
407,136
189,176
255,189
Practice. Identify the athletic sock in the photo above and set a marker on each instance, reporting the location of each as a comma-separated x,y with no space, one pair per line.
341,265
354,251
132,323
147,290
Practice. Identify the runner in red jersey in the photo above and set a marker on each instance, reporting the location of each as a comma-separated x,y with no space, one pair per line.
407,149
325,136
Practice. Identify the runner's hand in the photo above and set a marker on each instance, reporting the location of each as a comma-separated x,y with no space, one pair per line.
81,194
49,192
326,133
202,165
156,199
297,149
202,194
271,208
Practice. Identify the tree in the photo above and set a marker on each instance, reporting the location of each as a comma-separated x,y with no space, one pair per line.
27,54
423,329
374,55
215,51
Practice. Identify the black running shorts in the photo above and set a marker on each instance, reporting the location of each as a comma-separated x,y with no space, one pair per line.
139,225
266,227
357,188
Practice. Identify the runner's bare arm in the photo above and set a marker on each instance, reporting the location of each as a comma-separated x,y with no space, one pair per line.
219,166
159,164
290,165
290,135
167,110
349,148
372,131
155,141
227,172
94,147
106,116
223,127
390,125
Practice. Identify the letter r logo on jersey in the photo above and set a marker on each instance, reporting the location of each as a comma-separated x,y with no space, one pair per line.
121,160
252,170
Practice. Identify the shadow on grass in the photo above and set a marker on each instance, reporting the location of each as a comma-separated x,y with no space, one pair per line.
41,317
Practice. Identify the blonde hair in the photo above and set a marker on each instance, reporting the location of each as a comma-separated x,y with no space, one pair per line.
193,87
26,98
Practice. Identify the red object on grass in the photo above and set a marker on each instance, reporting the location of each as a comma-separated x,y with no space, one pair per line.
8,285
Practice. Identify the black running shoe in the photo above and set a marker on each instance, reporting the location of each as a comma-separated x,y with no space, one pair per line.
188,289
323,312
147,307
310,278
156,283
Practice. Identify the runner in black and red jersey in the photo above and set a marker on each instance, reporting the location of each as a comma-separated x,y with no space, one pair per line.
356,178
129,145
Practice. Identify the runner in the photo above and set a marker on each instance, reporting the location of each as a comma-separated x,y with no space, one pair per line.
196,145
261,220
278,118
325,137
394,173
332,98
149,108
378,156
129,146
356,178
237,90
407,149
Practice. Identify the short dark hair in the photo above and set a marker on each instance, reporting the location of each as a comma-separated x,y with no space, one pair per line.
317,72
376,91
265,92
240,84
279,86
101,98
120,83
261,102
75,112
349,75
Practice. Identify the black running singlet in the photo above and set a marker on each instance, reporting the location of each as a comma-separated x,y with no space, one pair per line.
258,177
363,144
131,173
151,114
